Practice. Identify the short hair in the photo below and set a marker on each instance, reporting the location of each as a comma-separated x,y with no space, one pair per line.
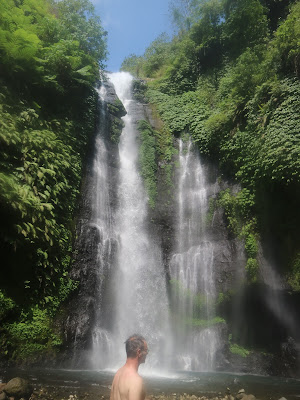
133,344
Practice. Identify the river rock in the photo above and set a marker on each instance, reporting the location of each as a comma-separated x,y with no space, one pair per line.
18,388
249,397
241,394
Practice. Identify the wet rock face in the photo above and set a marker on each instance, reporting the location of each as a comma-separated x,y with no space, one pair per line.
114,110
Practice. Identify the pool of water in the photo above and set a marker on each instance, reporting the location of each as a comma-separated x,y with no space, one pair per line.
197,383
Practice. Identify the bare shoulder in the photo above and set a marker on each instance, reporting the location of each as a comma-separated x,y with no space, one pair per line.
134,378
127,385
136,388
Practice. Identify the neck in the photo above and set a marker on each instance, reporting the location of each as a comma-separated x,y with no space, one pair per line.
132,363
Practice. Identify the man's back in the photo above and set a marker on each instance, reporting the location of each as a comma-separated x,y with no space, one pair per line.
127,385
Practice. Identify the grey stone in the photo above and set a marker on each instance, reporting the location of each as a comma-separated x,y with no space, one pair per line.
18,388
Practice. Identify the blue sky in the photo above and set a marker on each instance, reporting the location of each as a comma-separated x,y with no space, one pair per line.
132,25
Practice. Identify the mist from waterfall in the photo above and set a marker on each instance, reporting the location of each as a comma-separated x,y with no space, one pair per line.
191,268
276,302
137,285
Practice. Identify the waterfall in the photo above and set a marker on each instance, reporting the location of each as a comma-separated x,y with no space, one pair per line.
125,255
137,285
191,269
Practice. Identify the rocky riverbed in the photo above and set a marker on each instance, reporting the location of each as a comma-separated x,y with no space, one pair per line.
22,389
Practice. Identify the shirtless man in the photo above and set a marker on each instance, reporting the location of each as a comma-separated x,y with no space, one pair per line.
127,383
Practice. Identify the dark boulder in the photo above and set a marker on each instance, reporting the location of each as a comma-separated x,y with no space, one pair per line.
18,388
3,395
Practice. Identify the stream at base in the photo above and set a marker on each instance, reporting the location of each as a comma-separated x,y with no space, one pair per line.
208,384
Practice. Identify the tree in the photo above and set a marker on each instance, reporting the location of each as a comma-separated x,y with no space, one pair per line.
157,54
182,13
245,25
80,23
133,64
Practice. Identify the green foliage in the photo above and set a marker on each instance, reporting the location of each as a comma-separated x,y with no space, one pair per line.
6,305
251,245
148,160
156,152
116,124
268,148
211,210
32,336
51,44
139,90
294,274
238,209
287,42
252,269
81,24
179,112
237,349
156,55
50,56
133,64
183,13
224,297
245,25
231,209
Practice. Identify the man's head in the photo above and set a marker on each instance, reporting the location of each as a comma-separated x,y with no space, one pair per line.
136,346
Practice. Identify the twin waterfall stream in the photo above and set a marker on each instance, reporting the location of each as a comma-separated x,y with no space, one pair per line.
138,298
163,280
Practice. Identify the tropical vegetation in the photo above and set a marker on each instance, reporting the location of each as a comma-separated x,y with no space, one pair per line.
51,53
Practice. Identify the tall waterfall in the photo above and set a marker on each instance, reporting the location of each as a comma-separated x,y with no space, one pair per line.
137,284
168,274
191,269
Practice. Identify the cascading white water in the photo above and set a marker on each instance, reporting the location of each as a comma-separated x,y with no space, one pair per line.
138,283
102,220
191,268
